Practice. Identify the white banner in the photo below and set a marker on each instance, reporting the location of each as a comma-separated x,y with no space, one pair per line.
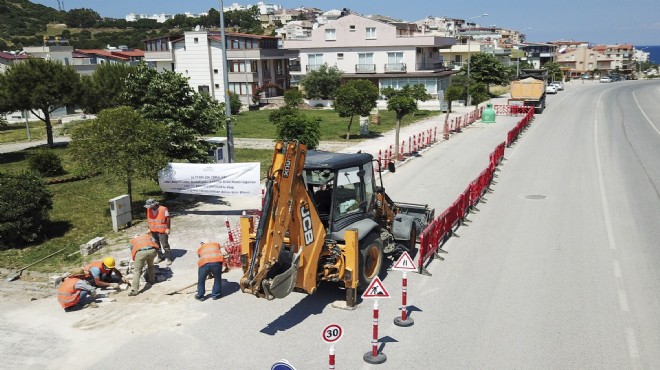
217,179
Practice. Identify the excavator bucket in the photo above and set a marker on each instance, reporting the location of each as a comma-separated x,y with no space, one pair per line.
280,285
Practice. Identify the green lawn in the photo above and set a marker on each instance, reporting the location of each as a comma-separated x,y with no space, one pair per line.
255,124
17,132
80,209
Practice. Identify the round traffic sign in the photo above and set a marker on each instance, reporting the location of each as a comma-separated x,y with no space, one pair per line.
332,333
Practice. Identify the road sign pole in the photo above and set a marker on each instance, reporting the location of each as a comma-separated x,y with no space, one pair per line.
374,357
404,320
332,358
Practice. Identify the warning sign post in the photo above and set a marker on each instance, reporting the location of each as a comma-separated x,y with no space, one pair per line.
375,290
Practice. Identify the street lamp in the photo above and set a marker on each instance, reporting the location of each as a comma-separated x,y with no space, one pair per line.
225,76
469,98
518,58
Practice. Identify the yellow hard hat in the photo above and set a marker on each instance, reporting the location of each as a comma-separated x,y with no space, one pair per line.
109,262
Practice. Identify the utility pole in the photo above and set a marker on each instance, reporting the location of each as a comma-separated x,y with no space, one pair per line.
225,76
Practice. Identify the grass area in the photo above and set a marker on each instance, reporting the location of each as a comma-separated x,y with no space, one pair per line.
255,124
80,209
17,132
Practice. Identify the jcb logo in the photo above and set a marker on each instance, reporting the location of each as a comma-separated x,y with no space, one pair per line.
308,231
287,168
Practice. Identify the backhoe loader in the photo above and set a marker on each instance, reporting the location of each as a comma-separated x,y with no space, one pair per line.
324,218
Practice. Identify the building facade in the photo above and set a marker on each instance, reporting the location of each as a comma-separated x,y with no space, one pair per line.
388,54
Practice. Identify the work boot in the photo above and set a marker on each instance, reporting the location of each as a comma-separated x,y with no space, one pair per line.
91,305
168,262
158,259
132,293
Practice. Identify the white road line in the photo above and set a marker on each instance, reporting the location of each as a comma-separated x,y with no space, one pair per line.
644,113
632,343
601,182
617,269
623,300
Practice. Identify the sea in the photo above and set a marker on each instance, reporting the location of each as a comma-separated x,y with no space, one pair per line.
653,50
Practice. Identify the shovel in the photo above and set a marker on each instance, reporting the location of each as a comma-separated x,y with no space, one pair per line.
15,275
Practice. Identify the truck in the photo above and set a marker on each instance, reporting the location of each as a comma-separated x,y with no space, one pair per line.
324,218
529,90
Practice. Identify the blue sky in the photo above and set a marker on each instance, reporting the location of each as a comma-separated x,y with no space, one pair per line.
605,21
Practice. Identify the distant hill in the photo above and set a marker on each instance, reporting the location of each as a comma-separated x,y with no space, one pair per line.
24,18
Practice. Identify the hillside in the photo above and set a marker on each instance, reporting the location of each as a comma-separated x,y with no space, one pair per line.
24,18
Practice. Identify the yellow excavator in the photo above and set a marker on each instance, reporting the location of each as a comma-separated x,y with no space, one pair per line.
324,218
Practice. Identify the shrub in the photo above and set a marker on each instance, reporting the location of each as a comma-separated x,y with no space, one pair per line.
234,103
24,206
46,163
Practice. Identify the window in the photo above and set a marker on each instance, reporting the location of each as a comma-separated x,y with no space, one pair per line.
340,56
351,28
330,35
365,63
217,86
314,61
215,71
371,32
349,195
196,40
203,89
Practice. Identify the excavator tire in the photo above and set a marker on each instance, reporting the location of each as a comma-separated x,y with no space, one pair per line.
370,259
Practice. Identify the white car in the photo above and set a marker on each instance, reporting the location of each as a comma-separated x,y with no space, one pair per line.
550,89
605,79
558,84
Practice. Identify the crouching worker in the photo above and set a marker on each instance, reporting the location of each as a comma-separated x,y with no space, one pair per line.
210,261
76,292
143,251
102,272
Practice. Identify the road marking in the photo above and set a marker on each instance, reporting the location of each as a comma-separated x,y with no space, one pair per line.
601,182
617,269
632,343
644,113
623,300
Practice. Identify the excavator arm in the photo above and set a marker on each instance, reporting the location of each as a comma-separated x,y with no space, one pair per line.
290,235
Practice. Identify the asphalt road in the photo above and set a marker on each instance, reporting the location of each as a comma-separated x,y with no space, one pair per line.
557,270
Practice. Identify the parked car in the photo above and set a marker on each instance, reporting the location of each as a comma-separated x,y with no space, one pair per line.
558,84
606,79
550,89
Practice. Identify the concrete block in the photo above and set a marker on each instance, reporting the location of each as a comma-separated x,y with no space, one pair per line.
92,246
56,280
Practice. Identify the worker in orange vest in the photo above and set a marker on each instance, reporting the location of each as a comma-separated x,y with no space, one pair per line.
159,221
211,257
143,251
76,291
102,272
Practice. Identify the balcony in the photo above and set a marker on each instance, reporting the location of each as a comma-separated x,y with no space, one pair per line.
395,68
295,67
365,68
434,66
313,67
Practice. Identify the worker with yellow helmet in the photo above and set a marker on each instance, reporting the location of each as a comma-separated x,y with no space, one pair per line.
102,272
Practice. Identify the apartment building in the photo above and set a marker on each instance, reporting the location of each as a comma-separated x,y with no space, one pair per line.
252,61
622,56
538,54
388,53
581,60
8,59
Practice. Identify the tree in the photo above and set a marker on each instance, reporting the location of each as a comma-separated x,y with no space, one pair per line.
322,83
81,18
554,70
24,206
356,97
402,102
487,69
167,98
234,103
292,124
40,85
122,144
105,88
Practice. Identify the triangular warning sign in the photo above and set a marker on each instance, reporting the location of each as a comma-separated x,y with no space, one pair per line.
375,290
404,263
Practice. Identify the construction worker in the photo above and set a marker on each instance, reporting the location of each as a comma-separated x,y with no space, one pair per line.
211,257
102,272
143,251
158,218
75,291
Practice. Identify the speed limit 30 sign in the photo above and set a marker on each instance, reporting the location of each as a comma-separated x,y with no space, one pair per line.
332,333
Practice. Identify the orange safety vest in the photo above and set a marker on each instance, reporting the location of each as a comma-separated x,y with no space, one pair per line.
98,264
158,223
209,252
142,242
67,294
